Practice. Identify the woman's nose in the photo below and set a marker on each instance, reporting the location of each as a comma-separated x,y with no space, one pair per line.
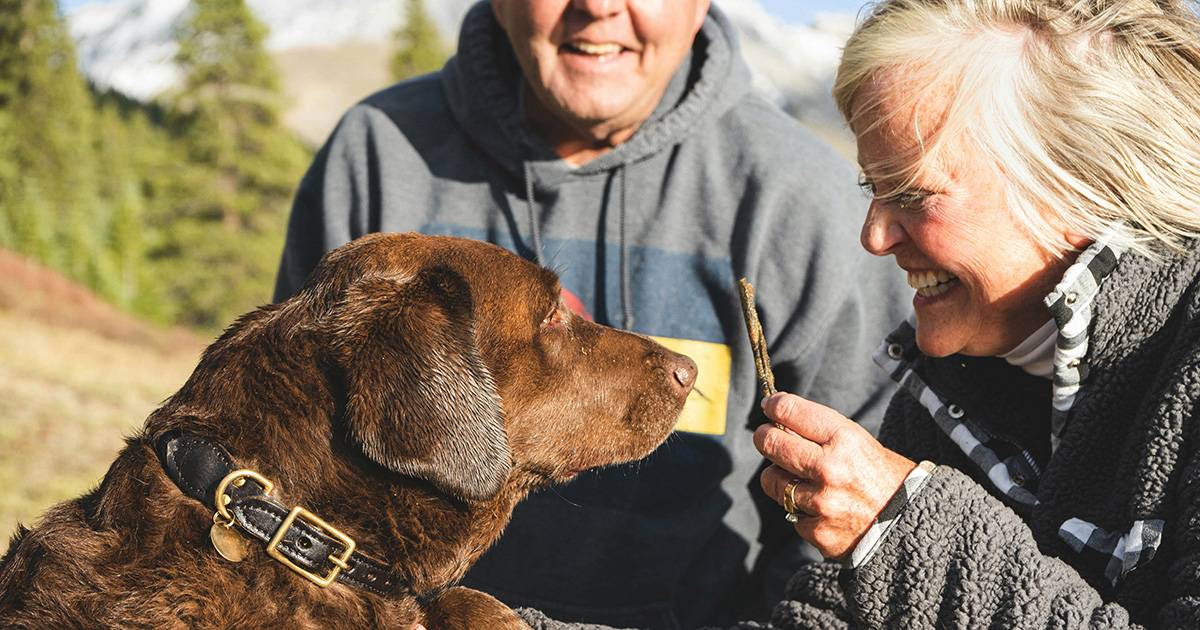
881,233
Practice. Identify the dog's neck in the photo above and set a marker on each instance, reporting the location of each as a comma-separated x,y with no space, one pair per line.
428,538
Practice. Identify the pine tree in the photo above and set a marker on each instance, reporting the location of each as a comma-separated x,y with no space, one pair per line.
419,47
45,138
144,181
30,217
217,258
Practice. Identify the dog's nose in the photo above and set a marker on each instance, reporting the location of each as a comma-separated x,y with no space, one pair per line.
684,370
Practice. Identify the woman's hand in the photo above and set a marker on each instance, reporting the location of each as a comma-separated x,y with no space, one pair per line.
845,475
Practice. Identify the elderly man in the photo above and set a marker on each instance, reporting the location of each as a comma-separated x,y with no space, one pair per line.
618,141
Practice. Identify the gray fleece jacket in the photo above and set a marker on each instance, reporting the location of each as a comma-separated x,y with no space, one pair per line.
1094,524
650,236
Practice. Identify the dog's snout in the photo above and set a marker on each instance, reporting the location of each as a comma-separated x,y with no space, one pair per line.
683,376
684,370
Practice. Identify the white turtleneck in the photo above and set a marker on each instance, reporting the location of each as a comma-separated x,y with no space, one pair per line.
1035,355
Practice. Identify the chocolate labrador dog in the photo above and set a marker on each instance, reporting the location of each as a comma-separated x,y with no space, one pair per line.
341,458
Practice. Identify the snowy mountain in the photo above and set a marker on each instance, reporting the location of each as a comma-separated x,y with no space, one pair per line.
128,44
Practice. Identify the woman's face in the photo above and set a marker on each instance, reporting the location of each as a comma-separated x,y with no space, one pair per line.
978,276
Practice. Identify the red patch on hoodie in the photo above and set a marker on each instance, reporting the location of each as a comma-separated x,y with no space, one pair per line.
575,304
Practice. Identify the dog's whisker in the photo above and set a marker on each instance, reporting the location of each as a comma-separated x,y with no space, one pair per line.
552,263
700,393
564,498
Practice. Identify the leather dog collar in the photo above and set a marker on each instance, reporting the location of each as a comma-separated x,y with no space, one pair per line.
296,538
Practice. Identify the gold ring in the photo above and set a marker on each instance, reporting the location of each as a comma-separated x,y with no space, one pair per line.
789,499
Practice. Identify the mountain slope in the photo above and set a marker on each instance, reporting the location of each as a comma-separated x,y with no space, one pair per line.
334,53
76,375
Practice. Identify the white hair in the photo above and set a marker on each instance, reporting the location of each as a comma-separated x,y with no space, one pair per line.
1090,109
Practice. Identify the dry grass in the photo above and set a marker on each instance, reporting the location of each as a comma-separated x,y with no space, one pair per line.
76,377
67,399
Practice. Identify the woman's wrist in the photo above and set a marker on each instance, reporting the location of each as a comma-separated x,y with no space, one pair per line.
891,511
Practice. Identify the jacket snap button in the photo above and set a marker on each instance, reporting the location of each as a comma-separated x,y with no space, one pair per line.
1019,479
895,350
1074,363
955,411
1071,297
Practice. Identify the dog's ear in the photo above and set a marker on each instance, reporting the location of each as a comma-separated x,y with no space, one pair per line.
419,399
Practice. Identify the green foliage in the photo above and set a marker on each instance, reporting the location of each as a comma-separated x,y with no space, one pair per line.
219,255
46,126
419,47
30,219
174,210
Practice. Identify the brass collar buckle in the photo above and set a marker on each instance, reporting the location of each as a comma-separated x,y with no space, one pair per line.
339,562
223,518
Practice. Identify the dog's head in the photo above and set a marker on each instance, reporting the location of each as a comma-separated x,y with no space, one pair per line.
463,366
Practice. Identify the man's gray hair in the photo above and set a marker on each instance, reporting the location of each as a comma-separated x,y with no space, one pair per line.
1090,109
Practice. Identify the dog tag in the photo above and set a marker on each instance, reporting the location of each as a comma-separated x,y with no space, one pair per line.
231,545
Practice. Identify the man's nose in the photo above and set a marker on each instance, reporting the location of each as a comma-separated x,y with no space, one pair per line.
599,8
881,232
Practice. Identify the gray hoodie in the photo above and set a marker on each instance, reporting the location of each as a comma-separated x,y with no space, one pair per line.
650,236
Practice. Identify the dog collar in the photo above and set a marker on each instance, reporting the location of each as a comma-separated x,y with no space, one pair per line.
296,538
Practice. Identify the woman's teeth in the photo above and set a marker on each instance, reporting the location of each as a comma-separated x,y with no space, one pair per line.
931,283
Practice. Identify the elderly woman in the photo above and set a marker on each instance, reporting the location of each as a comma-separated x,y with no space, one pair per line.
1034,166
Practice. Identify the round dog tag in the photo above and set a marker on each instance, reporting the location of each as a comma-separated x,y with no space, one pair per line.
231,545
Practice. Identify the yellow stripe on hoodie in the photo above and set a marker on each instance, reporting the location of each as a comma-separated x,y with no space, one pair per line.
704,411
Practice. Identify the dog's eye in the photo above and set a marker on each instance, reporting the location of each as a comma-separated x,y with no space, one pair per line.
554,318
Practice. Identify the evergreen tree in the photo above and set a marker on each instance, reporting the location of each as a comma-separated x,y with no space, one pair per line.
145,181
217,258
419,47
45,139
30,217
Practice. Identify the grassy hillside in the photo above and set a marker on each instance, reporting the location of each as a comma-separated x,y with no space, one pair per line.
76,376
322,82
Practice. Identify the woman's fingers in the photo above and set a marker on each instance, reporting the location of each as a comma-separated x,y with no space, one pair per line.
804,417
845,475
792,451
775,482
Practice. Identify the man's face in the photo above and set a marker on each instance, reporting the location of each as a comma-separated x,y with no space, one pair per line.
600,66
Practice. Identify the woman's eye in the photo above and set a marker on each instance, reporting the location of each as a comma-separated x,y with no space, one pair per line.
867,187
911,200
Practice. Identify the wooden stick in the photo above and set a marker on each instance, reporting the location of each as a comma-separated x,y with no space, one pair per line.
758,341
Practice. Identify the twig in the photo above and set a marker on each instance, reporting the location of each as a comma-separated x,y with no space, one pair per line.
758,341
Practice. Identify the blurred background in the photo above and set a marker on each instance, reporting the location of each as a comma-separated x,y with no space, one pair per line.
149,150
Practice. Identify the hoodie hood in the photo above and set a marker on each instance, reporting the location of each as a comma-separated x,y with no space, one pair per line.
482,84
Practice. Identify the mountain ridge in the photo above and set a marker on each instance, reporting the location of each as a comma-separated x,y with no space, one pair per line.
128,45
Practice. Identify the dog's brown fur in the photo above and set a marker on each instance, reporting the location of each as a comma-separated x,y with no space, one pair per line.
410,395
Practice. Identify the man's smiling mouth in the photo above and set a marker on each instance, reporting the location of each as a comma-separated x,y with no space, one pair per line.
595,50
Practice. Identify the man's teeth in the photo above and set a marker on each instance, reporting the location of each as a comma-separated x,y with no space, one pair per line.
930,283
597,49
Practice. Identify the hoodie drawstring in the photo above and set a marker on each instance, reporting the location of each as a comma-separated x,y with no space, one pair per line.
535,232
626,300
